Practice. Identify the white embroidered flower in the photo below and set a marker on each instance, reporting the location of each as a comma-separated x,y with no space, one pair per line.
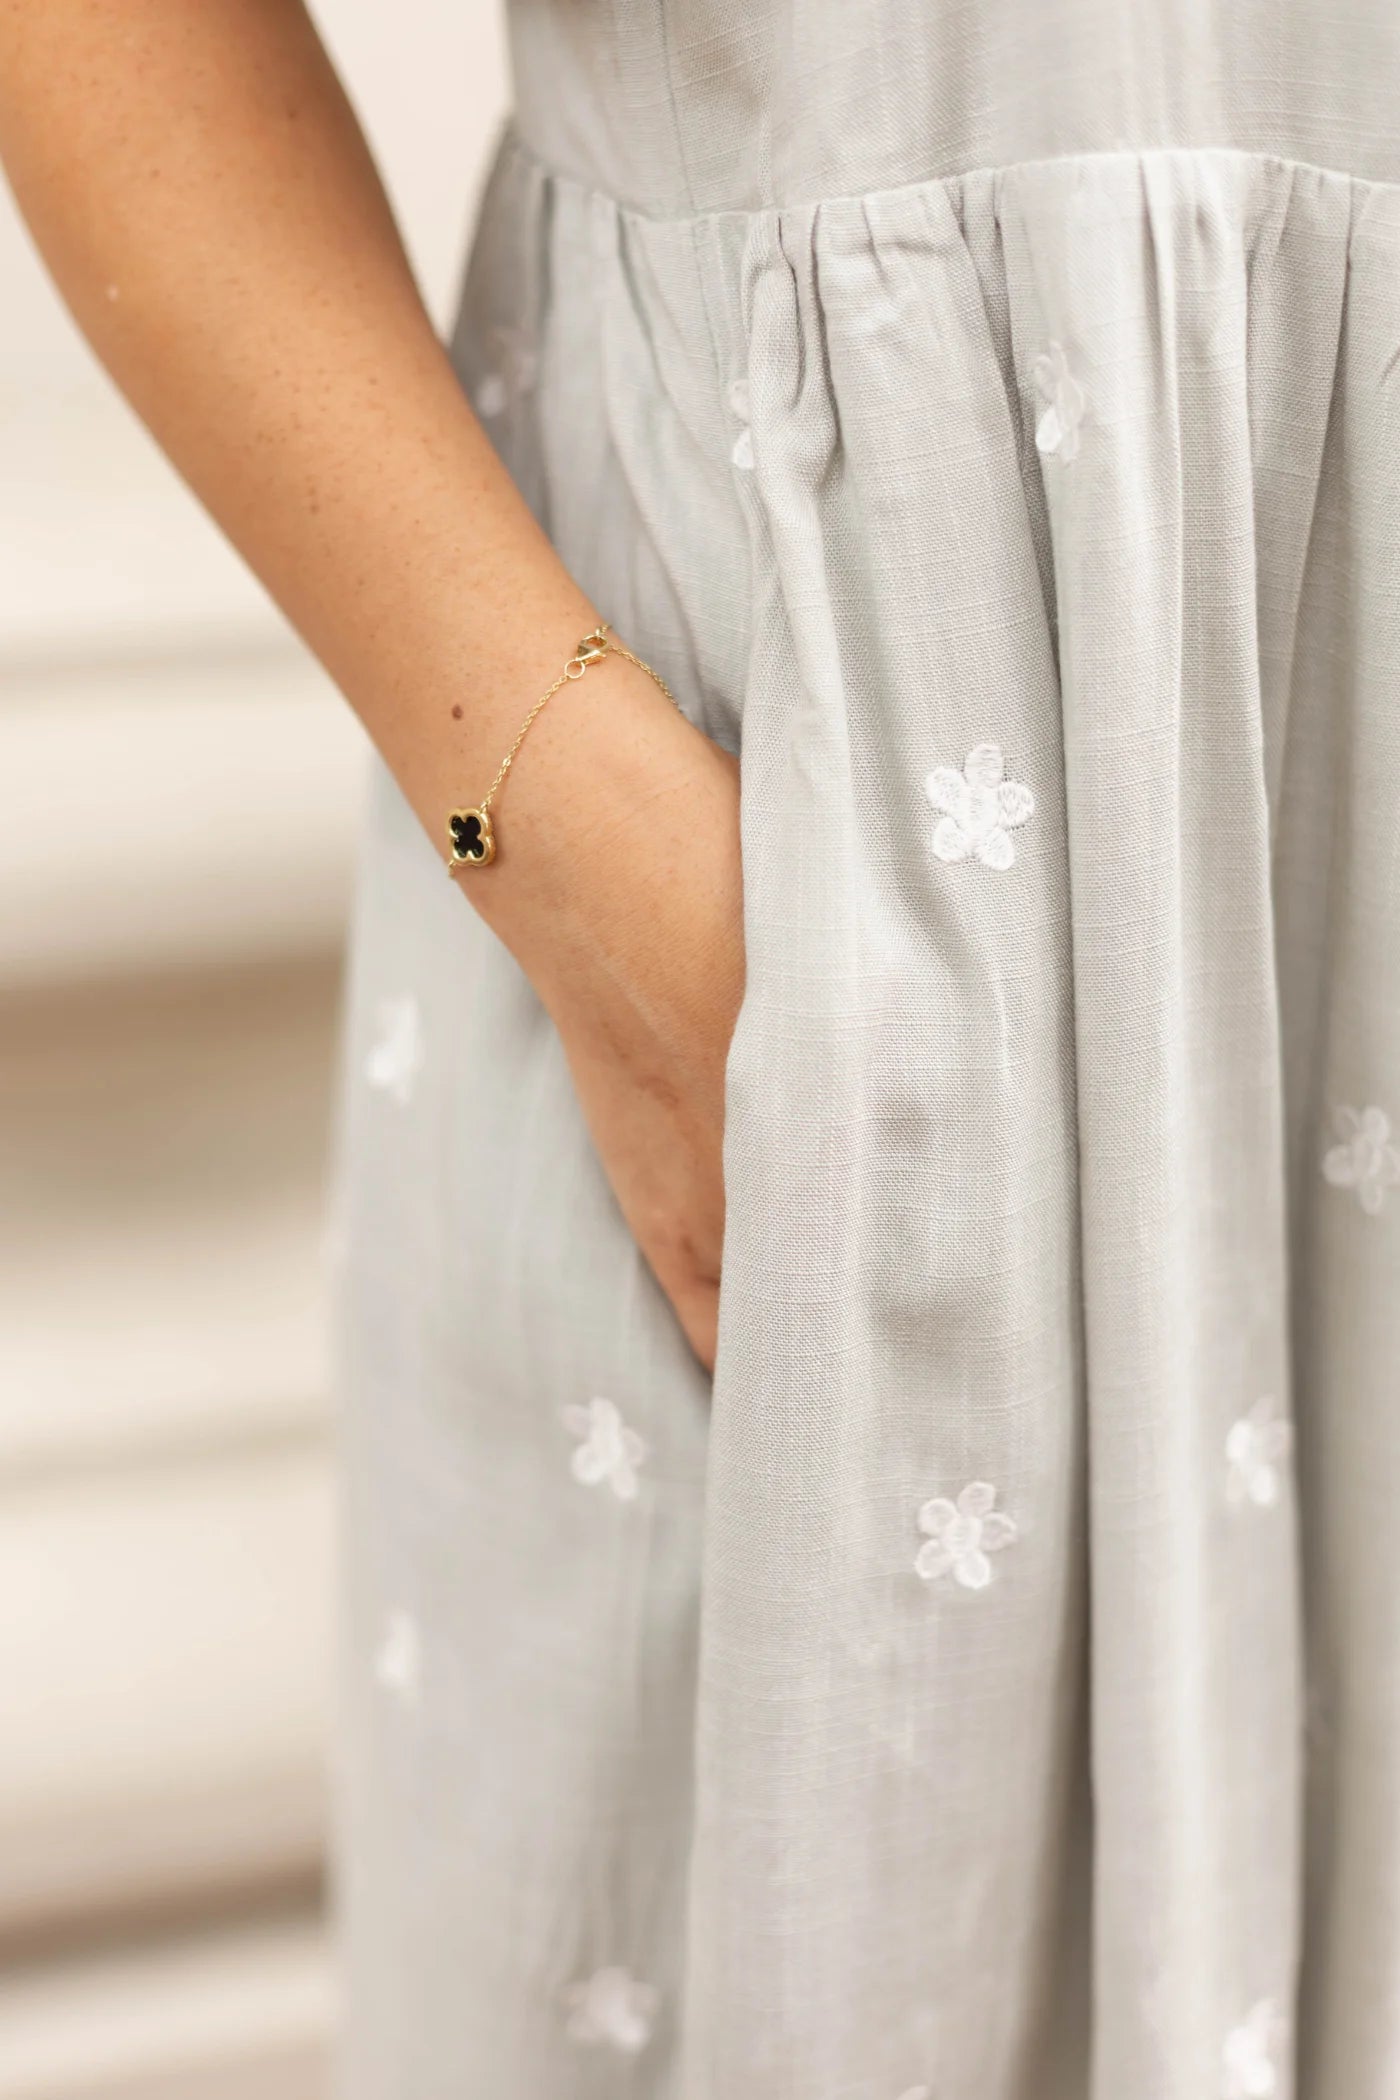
1057,432
742,453
609,1450
981,808
612,2007
960,1535
1365,1159
398,1661
1252,2059
397,1052
513,374
1255,1452
918,2092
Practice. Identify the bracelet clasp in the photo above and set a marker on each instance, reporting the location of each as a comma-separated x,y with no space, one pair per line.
591,650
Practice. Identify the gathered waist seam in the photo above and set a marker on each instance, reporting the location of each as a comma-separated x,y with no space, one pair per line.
513,145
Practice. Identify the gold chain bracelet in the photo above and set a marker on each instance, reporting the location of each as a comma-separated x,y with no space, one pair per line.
471,831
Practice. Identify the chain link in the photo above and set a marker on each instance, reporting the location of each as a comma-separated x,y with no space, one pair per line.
594,648
528,723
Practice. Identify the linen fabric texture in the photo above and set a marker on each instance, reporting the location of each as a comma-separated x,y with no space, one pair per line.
988,421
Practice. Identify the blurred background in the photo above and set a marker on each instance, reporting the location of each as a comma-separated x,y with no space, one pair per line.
178,802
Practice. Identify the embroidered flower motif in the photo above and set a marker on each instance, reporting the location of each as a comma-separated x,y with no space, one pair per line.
612,2007
981,808
1255,1452
918,2092
1251,2063
962,1534
513,375
609,1450
1057,432
742,453
398,1662
398,1052
1365,1159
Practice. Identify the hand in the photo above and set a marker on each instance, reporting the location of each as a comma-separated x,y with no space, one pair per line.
626,911
647,1037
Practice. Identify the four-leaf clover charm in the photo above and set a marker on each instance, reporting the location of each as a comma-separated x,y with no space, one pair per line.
473,840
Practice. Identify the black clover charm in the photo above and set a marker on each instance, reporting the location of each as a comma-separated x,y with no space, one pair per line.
473,840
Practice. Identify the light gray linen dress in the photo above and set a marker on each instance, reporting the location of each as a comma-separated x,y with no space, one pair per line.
987,416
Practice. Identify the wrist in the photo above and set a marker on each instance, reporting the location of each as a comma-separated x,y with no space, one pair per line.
600,816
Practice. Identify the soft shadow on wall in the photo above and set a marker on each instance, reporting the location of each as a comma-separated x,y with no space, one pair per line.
178,799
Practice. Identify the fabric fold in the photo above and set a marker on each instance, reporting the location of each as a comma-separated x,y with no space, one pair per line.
1180,1110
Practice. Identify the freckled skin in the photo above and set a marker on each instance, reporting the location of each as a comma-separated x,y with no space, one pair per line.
202,162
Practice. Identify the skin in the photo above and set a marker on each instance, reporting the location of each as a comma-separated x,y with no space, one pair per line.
205,200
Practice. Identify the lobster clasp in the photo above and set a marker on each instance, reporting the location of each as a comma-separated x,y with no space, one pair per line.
593,647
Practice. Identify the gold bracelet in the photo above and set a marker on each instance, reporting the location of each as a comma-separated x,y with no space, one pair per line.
471,831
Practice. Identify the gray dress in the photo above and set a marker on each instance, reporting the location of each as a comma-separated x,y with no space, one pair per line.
987,416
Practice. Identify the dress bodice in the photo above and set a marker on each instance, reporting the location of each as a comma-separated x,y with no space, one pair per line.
694,106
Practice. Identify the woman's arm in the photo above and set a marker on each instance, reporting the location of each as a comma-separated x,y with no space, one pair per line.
203,195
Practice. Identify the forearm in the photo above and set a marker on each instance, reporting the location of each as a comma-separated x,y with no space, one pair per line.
203,196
